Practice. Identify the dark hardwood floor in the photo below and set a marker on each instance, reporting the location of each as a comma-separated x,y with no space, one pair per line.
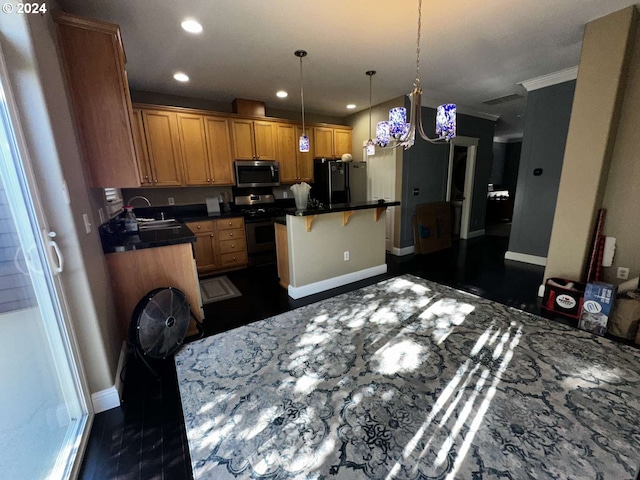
145,438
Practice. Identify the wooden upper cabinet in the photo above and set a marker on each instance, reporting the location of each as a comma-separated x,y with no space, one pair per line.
141,148
243,147
265,138
331,142
305,160
96,80
295,166
161,135
287,146
253,139
323,137
193,147
341,142
219,148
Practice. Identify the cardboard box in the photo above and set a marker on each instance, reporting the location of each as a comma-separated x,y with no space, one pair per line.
563,297
597,308
432,227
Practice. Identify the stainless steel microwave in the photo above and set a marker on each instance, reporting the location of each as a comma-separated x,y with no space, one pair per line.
258,173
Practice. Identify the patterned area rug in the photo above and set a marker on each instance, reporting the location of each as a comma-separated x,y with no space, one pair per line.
218,288
409,379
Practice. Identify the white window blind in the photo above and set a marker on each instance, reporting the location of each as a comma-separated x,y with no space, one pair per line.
113,197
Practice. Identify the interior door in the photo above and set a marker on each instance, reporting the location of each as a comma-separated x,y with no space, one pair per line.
45,414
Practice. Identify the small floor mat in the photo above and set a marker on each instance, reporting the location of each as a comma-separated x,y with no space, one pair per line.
218,288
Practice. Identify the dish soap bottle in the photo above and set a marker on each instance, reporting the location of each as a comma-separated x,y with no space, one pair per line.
130,220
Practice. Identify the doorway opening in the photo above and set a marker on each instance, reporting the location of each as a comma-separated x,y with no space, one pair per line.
460,183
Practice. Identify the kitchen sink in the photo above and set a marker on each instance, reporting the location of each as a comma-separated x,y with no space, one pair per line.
159,225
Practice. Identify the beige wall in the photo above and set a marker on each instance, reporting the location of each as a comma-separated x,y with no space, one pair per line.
622,194
319,254
138,96
360,123
37,82
595,114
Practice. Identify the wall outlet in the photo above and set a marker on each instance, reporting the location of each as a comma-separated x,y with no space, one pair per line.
87,223
623,273
346,256
285,194
171,201
101,215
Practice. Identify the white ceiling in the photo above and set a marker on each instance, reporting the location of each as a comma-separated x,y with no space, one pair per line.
471,51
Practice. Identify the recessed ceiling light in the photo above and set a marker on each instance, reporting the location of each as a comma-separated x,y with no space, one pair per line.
351,106
282,94
181,77
191,26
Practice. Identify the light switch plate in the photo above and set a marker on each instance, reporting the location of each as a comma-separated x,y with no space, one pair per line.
87,223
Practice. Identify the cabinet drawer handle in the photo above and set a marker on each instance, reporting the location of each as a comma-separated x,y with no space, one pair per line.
211,235
198,227
231,234
230,223
234,258
232,245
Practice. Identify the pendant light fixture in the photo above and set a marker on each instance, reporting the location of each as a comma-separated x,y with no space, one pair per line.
371,146
397,132
304,138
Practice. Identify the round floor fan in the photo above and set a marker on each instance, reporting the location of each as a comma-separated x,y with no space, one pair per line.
159,323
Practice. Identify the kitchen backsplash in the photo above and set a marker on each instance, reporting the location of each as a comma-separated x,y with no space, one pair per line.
180,195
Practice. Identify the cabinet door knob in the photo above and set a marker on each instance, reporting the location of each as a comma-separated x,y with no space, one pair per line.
230,223
234,258
258,157
198,227
231,234
232,245
211,235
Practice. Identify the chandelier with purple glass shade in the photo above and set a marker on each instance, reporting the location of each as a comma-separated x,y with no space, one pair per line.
397,132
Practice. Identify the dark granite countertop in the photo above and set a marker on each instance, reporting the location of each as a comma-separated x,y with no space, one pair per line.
341,207
120,241
114,239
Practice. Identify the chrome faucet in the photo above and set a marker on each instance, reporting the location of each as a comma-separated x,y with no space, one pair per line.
139,197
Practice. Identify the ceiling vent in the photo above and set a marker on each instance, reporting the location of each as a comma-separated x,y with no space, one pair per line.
505,99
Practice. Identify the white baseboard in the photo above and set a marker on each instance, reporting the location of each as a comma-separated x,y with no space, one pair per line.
475,233
110,397
124,350
105,399
323,285
399,252
525,258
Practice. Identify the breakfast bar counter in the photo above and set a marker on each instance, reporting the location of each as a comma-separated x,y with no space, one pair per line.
326,248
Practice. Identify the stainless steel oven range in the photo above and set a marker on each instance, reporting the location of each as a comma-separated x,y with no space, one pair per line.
259,210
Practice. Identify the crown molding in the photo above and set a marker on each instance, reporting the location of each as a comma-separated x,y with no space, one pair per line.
550,79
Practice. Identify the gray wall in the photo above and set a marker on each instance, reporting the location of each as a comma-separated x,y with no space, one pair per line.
511,167
499,152
544,138
425,166
504,168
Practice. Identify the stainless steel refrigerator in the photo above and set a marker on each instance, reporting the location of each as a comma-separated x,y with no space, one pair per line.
339,182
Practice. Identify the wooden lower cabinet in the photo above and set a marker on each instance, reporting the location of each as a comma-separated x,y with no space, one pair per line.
220,246
137,272
282,249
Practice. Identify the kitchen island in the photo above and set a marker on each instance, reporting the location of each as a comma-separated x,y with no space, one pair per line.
330,247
